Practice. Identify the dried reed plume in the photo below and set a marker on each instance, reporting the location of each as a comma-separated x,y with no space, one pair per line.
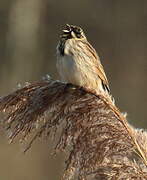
100,143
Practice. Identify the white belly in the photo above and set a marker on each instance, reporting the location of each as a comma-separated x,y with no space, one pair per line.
69,70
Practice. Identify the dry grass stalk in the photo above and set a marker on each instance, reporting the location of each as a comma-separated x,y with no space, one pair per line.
100,143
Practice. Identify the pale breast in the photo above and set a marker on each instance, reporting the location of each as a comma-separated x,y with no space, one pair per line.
68,70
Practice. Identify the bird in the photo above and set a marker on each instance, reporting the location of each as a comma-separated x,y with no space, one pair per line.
78,62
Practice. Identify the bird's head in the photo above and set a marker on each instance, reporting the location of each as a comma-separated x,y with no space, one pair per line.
71,31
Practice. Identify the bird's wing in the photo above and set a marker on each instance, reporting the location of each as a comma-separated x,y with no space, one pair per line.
96,63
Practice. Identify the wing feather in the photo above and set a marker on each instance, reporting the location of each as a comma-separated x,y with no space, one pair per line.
96,63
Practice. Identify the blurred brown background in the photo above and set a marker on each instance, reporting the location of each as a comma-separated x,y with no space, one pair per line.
29,32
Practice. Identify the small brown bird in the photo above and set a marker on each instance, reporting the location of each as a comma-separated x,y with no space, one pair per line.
78,62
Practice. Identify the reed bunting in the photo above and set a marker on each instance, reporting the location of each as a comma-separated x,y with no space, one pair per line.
78,63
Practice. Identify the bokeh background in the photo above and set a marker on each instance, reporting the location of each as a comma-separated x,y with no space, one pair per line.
29,33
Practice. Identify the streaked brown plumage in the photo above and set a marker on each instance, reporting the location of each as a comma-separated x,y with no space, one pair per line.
78,62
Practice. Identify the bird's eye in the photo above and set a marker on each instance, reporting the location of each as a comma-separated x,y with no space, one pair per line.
78,35
78,32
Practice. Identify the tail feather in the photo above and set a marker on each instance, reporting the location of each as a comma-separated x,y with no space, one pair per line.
106,87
